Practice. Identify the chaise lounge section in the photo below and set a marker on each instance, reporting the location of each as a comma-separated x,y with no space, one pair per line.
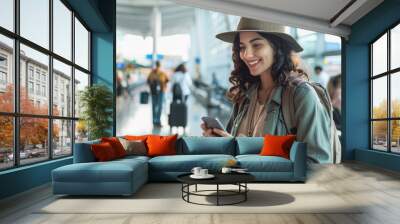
125,176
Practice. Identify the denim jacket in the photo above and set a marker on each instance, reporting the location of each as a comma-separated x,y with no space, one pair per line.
312,120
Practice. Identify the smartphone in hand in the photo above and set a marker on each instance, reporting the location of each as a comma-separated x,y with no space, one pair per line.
211,122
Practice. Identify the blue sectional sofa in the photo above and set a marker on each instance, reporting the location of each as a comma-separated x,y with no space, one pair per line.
125,176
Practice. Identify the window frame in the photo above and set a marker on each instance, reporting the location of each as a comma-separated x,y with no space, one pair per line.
16,114
388,74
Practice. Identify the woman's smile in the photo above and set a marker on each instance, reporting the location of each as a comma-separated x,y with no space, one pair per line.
253,65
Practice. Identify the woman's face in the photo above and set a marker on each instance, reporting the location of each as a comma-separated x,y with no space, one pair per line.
256,52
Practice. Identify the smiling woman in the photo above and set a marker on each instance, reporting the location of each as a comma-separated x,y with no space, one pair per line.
266,81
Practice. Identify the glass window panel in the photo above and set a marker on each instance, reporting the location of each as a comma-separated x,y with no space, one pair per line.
62,29
62,89
379,55
38,102
6,74
33,140
62,138
379,135
81,131
6,142
81,45
7,14
379,97
395,136
395,47
35,21
302,33
395,94
81,81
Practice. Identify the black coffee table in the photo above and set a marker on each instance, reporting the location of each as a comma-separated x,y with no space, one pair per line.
238,179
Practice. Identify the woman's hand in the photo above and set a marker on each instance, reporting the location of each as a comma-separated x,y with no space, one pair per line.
214,132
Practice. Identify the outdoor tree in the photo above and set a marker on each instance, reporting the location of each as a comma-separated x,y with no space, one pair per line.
380,127
33,131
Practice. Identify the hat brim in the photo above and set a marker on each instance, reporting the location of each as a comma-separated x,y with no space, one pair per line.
230,37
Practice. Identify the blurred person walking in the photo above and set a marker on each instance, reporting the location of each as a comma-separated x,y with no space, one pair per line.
181,82
320,76
335,92
157,81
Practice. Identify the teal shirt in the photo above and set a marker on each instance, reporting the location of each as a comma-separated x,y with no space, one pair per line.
312,121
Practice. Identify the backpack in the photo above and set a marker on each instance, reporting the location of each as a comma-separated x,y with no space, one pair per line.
288,111
177,93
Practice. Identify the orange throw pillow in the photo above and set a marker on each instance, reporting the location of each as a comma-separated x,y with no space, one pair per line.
136,137
277,145
161,145
116,145
103,152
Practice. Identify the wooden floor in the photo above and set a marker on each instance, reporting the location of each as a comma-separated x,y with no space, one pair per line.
377,188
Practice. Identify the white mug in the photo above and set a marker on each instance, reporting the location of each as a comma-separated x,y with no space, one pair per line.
196,170
226,170
203,172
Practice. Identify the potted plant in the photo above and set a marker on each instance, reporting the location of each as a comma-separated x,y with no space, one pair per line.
96,103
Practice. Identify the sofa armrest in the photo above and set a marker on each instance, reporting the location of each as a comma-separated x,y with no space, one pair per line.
83,152
298,155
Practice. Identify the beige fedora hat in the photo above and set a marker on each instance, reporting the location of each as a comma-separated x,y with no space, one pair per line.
246,24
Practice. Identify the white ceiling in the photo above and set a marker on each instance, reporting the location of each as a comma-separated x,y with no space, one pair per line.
316,15
135,16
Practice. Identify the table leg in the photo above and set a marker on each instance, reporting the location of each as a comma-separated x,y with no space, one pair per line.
217,194
196,188
245,191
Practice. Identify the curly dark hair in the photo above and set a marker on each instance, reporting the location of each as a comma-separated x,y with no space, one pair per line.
282,70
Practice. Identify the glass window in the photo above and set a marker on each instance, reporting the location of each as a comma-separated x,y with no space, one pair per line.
385,125
30,71
81,81
40,62
35,21
6,73
7,14
379,98
395,95
81,45
63,72
62,29
81,131
6,142
62,138
379,135
395,136
34,80
37,89
379,56
33,140
43,90
31,88
395,47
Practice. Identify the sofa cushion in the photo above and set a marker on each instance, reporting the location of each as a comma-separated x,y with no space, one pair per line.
103,152
206,145
249,145
277,145
134,147
116,145
161,145
111,171
185,163
257,163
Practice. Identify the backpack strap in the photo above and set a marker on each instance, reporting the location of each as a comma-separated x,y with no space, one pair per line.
288,109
